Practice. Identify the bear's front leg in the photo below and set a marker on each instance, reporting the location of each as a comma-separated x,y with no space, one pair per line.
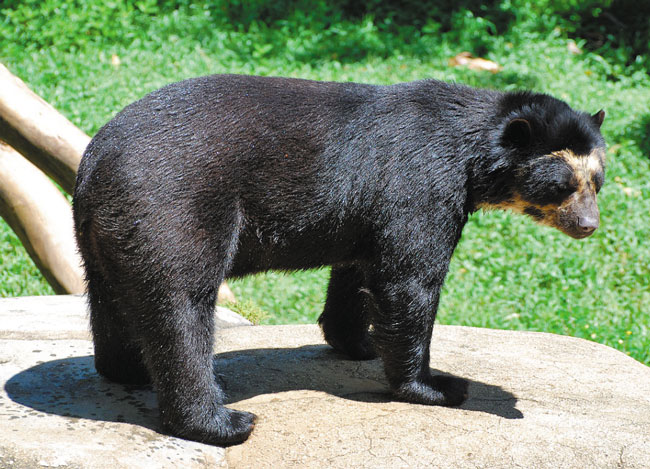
405,279
345,318
403,324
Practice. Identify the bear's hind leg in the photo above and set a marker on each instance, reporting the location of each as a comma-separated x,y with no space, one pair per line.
118,357
345,318
178,349
176,295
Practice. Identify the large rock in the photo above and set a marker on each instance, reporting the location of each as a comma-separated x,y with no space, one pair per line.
536,401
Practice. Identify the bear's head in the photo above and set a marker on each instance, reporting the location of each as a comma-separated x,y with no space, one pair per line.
555,160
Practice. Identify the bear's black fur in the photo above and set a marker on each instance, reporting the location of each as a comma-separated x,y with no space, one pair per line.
223,176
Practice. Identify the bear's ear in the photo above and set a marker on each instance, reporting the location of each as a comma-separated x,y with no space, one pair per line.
599,117
518,133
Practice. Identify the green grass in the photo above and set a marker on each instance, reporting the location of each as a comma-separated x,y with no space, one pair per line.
507,272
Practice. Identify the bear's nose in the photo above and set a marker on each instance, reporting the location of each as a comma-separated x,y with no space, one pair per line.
588,224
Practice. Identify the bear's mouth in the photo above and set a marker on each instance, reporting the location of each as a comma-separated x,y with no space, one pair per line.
580,217
575,232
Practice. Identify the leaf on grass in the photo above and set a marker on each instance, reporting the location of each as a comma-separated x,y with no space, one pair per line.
631,192
466,59
573,48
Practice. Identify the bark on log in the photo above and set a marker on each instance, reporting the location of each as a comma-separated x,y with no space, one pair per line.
39,132
42,218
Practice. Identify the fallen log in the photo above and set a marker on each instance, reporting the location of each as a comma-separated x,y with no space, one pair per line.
54,145
225,294
39,132
41,217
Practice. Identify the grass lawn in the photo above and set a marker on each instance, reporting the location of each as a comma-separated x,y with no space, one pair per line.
89,58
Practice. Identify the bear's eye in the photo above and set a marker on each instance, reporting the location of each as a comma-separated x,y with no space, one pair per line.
598,180
560,190
548,182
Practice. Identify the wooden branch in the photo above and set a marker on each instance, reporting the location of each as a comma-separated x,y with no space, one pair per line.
42,218
39,132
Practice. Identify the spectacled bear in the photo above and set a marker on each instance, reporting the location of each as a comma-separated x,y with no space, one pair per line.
228,175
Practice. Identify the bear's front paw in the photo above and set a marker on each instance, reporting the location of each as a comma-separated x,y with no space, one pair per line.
228,427
356,344
435,390
360,348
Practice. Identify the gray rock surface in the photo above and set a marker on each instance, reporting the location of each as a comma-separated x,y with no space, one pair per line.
536,401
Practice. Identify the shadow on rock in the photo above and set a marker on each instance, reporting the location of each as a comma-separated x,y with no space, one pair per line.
248,373
72,388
